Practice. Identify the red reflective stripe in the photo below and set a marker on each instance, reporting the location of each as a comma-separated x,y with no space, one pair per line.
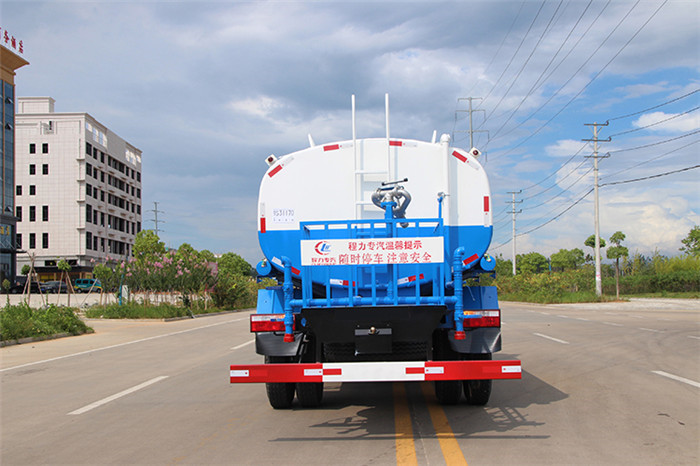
486,204
396,143
336,371
470,259
459,156
275,170
331,147
295,271
472,370
262,225
415,370
412,278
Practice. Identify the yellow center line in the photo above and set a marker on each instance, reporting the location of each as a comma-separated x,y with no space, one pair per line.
405,447
448,443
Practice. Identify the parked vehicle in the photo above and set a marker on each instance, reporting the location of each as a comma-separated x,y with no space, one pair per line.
85,285
56,286
35,287
374,289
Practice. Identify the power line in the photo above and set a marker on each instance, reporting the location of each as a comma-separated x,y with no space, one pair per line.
596,75
560,214
516,52
657,123
656,106
595,20
527,60
656,143
652,176
652,159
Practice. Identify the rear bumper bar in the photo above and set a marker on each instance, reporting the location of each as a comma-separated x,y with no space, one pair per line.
402,371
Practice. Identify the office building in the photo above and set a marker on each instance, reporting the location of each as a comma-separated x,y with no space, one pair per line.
78,189
11,50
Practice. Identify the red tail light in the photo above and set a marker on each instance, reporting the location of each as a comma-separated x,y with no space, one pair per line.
482,318
267,322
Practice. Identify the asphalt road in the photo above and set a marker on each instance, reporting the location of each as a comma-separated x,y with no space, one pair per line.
602,384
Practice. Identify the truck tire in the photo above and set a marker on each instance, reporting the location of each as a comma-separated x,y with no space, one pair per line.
478,392
310,394
448,392
280,395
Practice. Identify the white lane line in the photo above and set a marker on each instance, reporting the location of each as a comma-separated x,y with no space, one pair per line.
545,313
128,391
552,338
692,336
678,378
118,345
582,319
611,323
650,330
563,317
243,344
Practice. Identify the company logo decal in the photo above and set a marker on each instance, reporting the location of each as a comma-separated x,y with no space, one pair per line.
323,248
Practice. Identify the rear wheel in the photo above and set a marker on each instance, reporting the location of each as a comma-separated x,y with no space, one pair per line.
280,395
447,392
310,394
478,392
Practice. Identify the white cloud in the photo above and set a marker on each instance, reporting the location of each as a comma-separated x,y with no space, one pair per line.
262,106
669,122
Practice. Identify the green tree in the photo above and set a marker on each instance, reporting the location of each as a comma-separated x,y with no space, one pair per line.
616,251
232,264
148,246
567,259
590,242
691,243
532,262
26,269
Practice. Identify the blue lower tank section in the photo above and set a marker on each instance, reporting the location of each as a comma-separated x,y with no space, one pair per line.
474,239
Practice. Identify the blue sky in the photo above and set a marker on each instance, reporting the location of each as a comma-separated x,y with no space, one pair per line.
208,89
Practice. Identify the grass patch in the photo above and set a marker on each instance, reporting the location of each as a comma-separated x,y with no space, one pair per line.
21,321
559,298
668,294
133,310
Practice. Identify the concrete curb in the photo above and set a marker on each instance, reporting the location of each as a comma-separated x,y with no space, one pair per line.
24,341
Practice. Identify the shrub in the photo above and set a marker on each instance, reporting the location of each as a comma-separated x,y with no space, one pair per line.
21,321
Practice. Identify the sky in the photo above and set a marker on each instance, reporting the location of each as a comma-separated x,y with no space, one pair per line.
208,89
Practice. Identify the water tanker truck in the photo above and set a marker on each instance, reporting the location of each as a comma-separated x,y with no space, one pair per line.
372,241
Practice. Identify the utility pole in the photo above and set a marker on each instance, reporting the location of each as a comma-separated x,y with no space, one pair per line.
514,212
470,111
596,209
156,221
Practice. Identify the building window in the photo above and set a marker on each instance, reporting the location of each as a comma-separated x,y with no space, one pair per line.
138,176
94,243
94,217
18,190
32,189
88,213
88,148
88,240
32,148
18,241
88,189
138,209
32,169
45,148
45,240
45,213
32,213
88,169
32,240
18,213
45,169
